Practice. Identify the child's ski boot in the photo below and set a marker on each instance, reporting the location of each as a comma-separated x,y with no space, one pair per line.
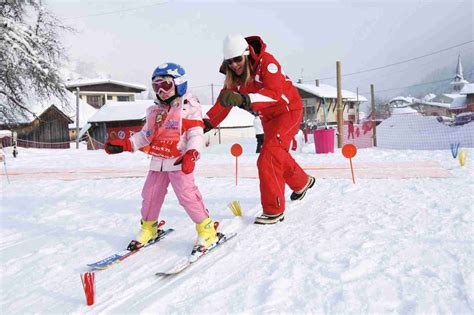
148,232
207,238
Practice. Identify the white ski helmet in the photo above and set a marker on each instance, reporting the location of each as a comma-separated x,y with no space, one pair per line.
235,45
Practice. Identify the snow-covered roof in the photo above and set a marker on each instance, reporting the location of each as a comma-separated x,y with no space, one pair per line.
403,110
329,91
38,107
5,133
121,111
467,89
236,118
85,110
451,95
428,97
404,99
459,102
85,82
434,104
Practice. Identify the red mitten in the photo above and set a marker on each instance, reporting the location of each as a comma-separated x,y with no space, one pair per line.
188,160
118,146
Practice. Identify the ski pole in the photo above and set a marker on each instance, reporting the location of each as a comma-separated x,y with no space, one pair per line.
6,173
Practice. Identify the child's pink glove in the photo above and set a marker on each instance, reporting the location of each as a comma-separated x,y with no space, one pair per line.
188,160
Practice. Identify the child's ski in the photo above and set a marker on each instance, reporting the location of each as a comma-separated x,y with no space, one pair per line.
118,257
187,262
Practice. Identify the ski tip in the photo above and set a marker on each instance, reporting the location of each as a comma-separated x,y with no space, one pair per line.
163,274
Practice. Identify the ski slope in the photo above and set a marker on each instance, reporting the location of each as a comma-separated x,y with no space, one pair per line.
402,245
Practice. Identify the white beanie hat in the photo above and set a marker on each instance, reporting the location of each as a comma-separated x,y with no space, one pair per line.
235,45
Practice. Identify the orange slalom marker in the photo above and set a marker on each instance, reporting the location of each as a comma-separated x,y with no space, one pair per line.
349,151
236,151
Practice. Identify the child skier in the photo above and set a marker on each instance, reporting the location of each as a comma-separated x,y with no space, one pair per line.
174,133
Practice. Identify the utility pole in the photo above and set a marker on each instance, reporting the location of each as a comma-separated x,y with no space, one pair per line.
77,117
340,136
374,122
356,109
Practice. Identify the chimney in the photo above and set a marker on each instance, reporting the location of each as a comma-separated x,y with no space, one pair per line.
317,82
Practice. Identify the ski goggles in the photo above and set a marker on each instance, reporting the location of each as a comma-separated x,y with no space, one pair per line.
163,84
237,59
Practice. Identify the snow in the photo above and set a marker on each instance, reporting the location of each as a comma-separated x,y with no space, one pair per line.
118,111
459,102
380,246
236,118
85,110
467,89
86,82
328,91
39,106
5,133
403,110
403,99
417,132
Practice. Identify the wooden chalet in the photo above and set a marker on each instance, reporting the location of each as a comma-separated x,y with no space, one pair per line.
48,130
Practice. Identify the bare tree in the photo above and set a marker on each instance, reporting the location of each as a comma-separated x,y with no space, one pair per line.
30,57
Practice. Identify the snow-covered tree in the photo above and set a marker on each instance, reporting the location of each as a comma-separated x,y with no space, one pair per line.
30,57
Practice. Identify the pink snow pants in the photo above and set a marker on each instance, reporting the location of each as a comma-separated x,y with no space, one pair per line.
156,188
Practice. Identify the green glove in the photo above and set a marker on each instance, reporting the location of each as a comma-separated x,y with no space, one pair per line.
231,98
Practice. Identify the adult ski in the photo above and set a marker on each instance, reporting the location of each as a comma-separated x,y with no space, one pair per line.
189,261
120,256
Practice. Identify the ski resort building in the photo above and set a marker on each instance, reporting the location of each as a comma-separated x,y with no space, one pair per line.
320,103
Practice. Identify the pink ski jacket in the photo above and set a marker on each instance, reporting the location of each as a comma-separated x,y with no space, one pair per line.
189,123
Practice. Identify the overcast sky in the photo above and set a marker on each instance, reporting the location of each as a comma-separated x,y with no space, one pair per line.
128,39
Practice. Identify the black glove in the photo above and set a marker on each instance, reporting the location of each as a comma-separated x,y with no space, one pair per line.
230,98
207,126
118,146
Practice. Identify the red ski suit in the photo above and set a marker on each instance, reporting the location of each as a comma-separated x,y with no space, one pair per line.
279,104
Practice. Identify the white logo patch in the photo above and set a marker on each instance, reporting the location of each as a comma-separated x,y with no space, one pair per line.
272,68
121,134
173,72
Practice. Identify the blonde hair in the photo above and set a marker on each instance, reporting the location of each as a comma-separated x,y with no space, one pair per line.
232,80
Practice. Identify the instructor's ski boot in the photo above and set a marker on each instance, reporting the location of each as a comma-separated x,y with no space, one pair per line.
298,195
148,232
207,238
265,218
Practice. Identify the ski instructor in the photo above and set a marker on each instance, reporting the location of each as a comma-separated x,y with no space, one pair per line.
255,81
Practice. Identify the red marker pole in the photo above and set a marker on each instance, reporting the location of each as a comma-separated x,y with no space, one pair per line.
236,150
349,151
88,281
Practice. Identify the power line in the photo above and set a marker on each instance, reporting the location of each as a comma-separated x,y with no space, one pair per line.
206,85
399,62
408,86
114,12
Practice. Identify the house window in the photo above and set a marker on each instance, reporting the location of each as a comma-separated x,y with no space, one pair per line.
310,110
123,98
109,97
95,100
